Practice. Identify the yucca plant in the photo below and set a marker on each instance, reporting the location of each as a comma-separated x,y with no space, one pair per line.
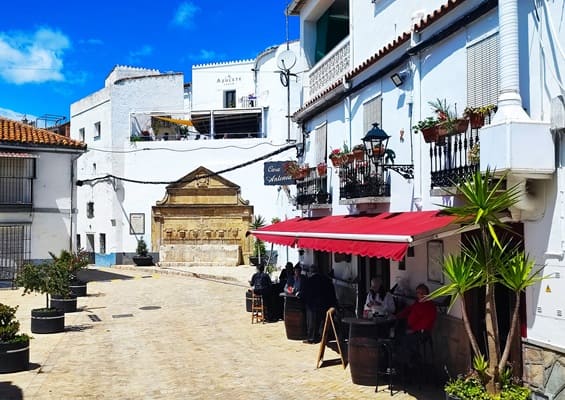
488,259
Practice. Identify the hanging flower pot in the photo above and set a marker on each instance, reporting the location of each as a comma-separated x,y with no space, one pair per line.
430,134
322,169
359,154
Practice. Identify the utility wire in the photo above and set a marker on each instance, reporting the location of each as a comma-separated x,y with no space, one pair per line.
187,180
183,150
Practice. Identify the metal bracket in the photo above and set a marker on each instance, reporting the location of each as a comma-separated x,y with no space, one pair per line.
405,170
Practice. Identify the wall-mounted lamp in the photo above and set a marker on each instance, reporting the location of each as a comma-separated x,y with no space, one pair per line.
299,149
398,79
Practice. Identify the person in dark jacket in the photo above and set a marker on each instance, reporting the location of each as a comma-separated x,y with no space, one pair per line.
318,295
262,285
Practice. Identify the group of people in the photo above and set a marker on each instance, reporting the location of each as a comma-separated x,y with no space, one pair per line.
316,292
412,324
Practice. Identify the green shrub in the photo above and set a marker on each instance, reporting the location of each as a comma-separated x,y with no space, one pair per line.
9,326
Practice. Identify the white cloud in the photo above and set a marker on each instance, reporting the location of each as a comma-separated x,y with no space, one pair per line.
206,55
32,58
136,55
14,115
184,16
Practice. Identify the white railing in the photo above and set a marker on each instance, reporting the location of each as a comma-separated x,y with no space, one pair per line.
330,68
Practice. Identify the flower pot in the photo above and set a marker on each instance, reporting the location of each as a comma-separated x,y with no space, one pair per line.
78,287
47,320
430,134
476,120
14,356
64,304
336,161
322,169
460,125
359,155
143,261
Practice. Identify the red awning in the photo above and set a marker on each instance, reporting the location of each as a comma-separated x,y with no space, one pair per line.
378,235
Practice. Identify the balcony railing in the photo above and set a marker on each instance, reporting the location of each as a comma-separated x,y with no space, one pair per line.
363,181
312,191
454,158
330,68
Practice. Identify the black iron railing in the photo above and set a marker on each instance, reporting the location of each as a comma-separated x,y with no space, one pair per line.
361,178
454,158
313,190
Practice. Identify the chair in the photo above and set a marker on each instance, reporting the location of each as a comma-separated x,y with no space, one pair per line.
394,368
257,308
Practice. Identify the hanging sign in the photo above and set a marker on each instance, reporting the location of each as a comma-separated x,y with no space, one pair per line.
274,174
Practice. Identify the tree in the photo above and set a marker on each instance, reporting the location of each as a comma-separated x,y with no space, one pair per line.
488,259
258,247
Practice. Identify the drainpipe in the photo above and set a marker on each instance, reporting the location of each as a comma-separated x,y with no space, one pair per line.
509,99
72,199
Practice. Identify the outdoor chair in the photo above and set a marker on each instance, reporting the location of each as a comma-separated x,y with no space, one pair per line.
257,308
393,367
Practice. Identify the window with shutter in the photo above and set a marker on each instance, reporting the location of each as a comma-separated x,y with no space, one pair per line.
372,112
483,68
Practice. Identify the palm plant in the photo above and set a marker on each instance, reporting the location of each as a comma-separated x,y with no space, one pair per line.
258,247
488,259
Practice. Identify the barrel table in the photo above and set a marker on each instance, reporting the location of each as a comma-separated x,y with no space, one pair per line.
294,317
363,351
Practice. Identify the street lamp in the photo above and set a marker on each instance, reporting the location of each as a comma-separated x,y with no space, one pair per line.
375,142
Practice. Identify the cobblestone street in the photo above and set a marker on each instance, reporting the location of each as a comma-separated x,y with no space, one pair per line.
148,335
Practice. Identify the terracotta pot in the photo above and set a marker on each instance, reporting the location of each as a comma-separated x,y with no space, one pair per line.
322,169
359,155
460,125
336,161
430,134
477,121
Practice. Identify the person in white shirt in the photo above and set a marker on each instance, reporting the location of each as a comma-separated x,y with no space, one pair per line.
379,300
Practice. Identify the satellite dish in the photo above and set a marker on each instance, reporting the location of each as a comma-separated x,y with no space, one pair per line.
286,60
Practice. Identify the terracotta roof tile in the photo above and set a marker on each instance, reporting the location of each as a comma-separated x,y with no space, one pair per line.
14,132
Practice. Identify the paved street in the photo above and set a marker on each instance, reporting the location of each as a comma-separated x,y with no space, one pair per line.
148,335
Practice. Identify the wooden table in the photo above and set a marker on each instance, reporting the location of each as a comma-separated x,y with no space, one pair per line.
363,354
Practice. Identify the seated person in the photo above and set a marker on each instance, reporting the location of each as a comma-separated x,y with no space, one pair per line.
286,273
379,301
419,320
261,283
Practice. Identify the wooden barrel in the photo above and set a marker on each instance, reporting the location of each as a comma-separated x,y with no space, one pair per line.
294,318
248,301
363,360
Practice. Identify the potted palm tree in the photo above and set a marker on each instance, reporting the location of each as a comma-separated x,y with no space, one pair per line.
490,258
14,346
51,279
259,251
142,259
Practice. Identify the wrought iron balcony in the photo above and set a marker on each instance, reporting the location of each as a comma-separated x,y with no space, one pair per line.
453,159
361,181
312,191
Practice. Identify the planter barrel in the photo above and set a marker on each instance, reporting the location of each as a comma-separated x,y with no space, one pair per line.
65,304
47,321
78,288
14,357
143,261
248,301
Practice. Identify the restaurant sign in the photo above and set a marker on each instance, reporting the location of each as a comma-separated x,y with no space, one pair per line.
274,174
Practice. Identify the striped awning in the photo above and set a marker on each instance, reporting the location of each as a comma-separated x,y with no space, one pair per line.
185,122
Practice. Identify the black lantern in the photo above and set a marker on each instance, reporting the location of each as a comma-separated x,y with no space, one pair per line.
375,142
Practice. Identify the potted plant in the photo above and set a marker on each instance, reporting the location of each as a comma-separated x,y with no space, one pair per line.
142,258
449,123
74,263
429,128
358,152
275,220
14,346
474,154
489,258
259,251
49,279
292,169
336,158
476,115
322,169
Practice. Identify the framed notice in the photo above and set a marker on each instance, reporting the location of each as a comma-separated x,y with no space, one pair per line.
435,259
137,224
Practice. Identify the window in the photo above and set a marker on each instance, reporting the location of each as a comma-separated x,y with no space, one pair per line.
102,243
97,130
90,209
15,249
90,242
78,242
81,134
331,28
229,99
483,65
372,112
16,181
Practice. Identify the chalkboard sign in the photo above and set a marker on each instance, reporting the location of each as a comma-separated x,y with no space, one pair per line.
274,174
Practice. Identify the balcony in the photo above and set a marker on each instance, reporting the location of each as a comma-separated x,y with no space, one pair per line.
312,191
330,68
361,181
453,159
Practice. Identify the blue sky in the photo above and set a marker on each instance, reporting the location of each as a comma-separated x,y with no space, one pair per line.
55,53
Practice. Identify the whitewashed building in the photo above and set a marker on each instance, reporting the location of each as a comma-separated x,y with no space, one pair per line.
37,195
383,62
146,129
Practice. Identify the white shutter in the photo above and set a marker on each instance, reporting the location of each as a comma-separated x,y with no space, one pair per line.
372,112
483,69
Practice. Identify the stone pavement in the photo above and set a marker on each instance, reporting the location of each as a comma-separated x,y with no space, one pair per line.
154,333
